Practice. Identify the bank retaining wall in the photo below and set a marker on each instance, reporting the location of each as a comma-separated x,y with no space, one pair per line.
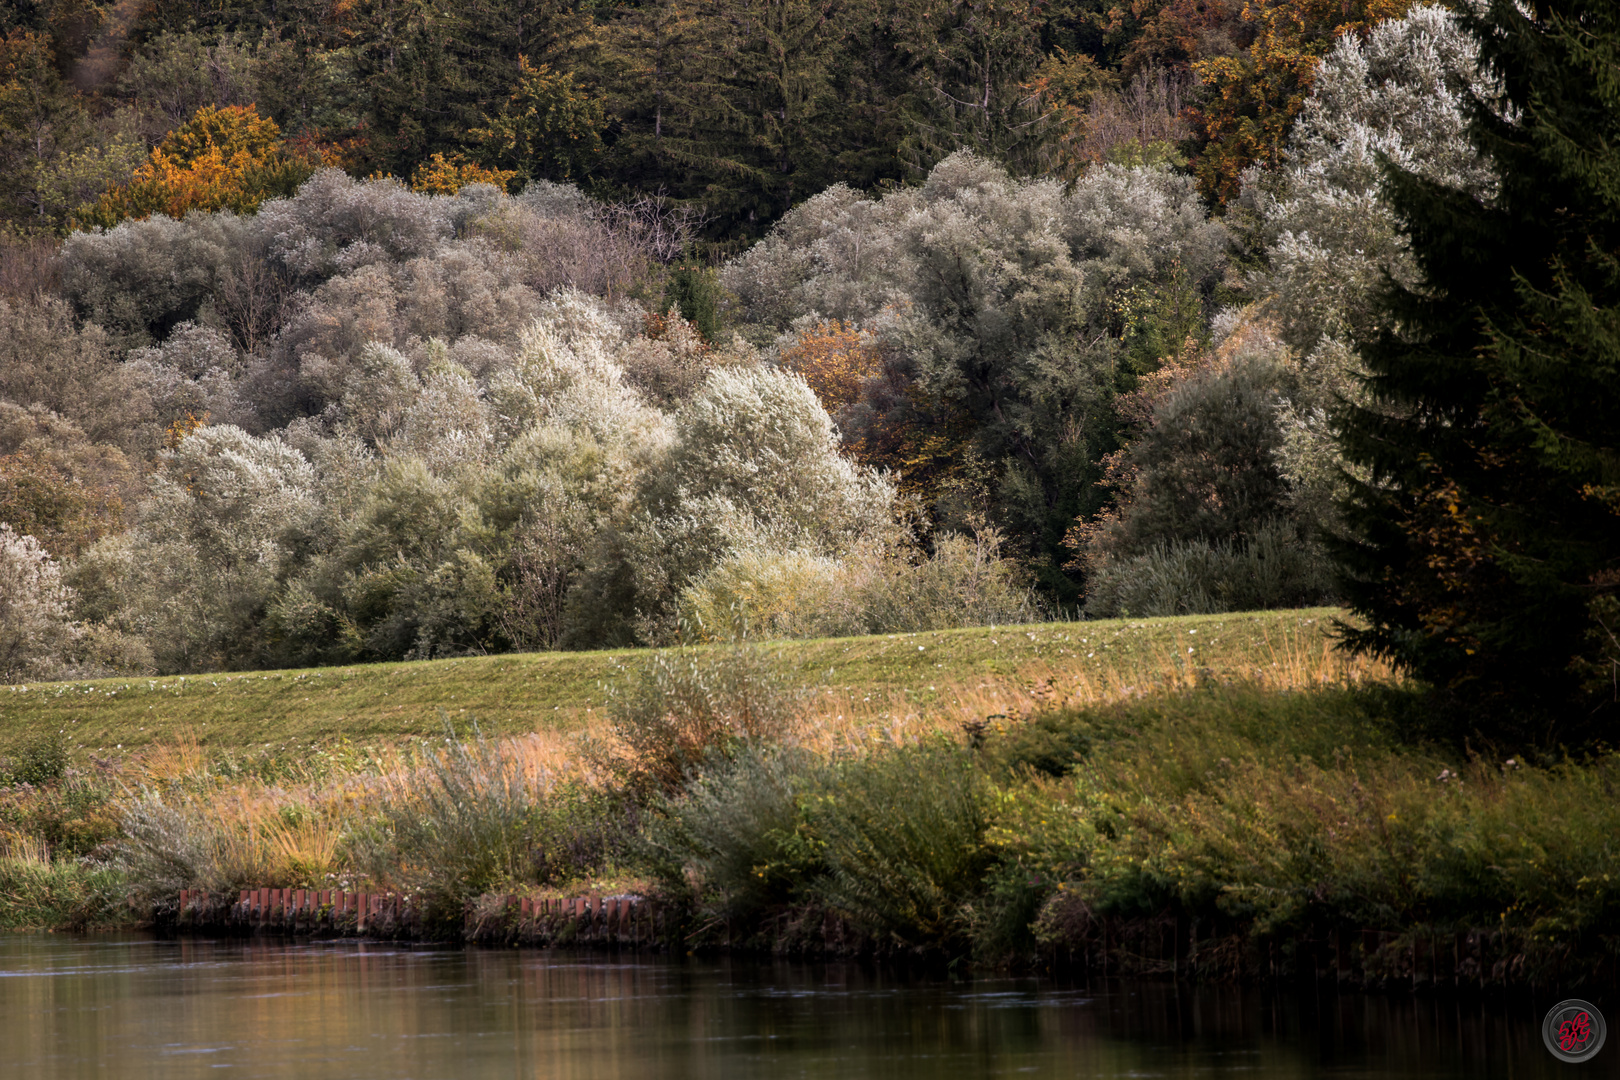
624,920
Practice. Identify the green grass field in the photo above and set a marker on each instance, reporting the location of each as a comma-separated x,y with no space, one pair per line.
380,703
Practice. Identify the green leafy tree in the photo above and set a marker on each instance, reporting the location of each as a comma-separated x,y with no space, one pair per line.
40,119
547,129
1486,539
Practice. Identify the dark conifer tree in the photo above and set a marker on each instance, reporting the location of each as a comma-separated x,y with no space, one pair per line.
1485,531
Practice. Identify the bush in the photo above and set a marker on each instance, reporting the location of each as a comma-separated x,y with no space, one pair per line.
39,760
71,814
965,581
737,841
480,816
1273,568
36,894
683,708
1225,828
461,826
166,848
870,590
904,835
894,841
764,594
250,836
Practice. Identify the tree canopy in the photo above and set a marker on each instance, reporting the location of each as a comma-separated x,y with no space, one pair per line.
1485,520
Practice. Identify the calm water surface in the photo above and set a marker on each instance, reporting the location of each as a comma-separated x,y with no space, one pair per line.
129,1007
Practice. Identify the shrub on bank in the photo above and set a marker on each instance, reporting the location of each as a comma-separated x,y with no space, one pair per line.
682,708
37,893
739,842
1254,816
1240,815
1274,568
904,841
892,842
478,818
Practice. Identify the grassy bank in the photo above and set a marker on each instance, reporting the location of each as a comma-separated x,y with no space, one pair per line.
1092,791
509,694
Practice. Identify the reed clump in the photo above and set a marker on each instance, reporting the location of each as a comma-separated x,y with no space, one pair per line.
484,815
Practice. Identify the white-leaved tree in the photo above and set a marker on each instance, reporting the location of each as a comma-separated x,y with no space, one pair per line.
225,514
1400,95
36,610
996,301
753,464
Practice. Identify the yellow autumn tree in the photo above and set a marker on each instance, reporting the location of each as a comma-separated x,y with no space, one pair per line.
229,158
441,175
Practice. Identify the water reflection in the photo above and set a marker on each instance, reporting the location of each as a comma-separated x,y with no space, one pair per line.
137,1007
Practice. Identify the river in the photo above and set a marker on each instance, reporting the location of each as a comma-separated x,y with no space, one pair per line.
140,1007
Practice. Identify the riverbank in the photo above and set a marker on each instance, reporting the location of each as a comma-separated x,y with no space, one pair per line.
1419,960
1152,815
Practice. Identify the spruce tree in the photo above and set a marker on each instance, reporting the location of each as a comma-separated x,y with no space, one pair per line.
1484,546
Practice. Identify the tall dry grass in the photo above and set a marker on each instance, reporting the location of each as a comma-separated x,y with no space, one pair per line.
449,817
837,720
438,816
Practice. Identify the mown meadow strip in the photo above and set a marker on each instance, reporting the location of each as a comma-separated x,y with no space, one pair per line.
515,693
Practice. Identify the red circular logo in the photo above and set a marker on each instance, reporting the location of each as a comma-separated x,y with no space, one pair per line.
1573,1030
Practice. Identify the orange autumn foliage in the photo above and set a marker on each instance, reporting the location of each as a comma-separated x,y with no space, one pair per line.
925,442
222,159
835,360
1253,97
440,175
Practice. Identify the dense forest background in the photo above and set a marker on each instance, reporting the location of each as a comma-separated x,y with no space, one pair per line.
740,109
371,330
